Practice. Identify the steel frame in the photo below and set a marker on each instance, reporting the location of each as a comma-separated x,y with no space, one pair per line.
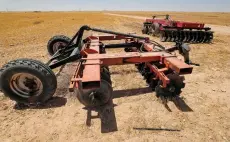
90,59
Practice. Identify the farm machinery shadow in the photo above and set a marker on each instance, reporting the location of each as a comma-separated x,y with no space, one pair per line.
178,101
107,115
54,102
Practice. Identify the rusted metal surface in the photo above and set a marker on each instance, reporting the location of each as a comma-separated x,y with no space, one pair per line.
93,61
91,74
148,47
134,57
178,66
75,78
160,74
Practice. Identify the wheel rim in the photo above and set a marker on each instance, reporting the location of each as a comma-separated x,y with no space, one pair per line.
26,85
58,45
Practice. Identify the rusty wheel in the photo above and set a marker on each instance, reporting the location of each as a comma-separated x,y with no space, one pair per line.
27,81
26,85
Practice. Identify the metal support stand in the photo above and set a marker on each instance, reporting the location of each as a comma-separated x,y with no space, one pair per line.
107,116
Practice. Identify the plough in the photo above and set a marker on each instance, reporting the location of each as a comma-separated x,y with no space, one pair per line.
171,31
29,81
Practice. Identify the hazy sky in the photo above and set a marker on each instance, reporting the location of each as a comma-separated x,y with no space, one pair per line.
145,5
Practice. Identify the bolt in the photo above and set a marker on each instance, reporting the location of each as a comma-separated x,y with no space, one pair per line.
172,89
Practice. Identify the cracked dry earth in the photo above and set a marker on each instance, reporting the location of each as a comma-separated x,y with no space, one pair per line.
204,116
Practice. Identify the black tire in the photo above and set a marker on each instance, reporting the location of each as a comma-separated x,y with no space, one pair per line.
144,30
152,83
95,97
163,36
105,70
106,67
62,42
156,28
22,90
106,77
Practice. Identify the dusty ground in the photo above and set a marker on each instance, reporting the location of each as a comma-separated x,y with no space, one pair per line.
207,91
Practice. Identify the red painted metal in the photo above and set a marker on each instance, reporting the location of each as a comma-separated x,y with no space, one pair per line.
176,24
177,65
160,21
160,74
87,74
180,24
129,58
172,31
76,77
91,74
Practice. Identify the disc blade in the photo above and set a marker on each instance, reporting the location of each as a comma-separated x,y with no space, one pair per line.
185,36
168,36
201,36
163,36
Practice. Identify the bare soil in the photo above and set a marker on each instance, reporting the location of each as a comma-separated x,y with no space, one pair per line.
203,115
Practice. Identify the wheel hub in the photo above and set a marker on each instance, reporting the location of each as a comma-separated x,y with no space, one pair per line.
58,45
26,85
172,89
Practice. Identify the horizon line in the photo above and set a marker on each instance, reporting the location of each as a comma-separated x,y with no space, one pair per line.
109,11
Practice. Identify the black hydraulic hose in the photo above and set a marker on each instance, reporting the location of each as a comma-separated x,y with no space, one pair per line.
71,41
117,33
157,44
122,45
128,35
80,35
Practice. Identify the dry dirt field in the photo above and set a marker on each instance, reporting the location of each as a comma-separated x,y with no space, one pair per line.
204,117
